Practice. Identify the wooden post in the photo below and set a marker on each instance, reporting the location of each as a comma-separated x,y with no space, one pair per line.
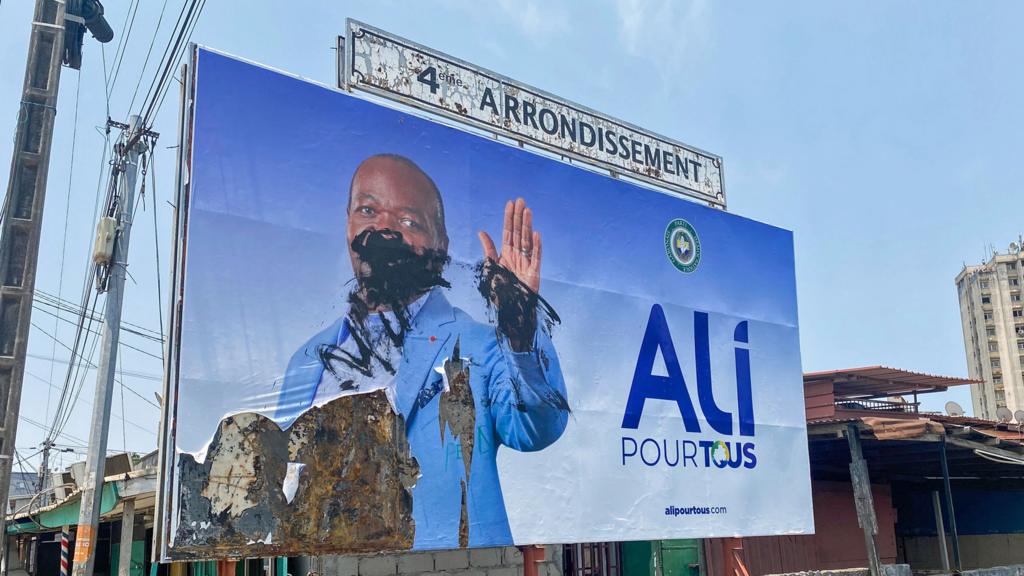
949,502
940,530
862,498
124,562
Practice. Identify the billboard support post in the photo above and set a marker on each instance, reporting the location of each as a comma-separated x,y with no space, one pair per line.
532,555
88,522
862,498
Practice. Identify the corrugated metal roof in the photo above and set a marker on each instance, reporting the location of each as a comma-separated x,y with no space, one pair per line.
881,381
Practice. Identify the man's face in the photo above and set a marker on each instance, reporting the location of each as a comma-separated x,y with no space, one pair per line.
388,194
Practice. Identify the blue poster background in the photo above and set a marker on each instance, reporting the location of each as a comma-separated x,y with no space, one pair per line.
267,267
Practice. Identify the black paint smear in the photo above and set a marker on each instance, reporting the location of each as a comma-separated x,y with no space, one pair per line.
393,274
518,309
515,304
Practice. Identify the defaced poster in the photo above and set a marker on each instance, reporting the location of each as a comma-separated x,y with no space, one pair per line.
392,334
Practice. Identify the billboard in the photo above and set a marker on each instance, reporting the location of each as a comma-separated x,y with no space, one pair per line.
392,334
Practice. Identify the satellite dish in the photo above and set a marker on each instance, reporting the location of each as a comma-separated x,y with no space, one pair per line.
954,409
1019,416
1003,414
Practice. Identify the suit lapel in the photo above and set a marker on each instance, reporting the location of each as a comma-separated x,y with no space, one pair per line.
430,335
304,371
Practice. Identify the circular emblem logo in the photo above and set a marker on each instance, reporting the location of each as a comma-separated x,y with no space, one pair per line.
720,457
682,245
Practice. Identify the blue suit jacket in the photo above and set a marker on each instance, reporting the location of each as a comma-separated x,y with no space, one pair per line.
519,400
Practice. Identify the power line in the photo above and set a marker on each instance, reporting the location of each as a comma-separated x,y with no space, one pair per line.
54,300
148,54
167,49
121,417
124,435
51,336
178,49
96,333
66,404
123,44
132,373
67,216
44,428
184,47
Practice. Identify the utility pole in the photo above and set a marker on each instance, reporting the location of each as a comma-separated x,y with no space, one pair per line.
22,216
111,254
44,468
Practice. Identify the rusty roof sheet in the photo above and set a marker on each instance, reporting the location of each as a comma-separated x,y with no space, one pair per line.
881,381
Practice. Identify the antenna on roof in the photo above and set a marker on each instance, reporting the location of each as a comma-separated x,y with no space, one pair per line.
1003,415
954,409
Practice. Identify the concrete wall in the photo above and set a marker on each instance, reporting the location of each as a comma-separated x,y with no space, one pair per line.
976,551
477,562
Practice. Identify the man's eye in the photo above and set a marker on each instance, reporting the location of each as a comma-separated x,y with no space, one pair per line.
365,210
409,223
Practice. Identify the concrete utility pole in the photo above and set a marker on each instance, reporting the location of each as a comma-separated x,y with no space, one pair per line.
57,31
22,216
119,225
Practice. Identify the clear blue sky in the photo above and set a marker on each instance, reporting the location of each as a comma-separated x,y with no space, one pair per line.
887,136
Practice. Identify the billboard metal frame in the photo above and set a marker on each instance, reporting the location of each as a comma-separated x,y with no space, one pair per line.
168,415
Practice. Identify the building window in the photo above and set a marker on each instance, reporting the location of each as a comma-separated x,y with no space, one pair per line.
1020,344
1015,297
986,299
995,363
993,347
1000,396
997,379
990,332
1011,266
988,316
984,284
1014,282
1018,313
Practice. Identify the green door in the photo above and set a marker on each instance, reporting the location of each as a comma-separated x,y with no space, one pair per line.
662,558
680,557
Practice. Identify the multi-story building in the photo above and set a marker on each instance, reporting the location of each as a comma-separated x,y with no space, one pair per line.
992,312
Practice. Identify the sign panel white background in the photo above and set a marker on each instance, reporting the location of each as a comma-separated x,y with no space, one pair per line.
384,64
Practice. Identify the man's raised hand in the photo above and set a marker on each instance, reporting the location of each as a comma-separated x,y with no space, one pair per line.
520,245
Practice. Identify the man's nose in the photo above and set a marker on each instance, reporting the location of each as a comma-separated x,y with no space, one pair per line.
385,221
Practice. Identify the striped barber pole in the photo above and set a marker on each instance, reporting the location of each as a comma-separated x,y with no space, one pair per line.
65,552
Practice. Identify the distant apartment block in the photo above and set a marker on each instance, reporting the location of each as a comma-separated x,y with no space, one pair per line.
992,313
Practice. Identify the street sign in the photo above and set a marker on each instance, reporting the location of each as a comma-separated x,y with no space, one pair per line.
380,63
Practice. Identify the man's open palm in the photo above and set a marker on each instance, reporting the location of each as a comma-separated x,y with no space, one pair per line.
520,245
